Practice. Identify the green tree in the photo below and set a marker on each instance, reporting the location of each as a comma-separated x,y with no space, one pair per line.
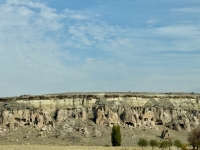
116,135
177,143
143,143
153,143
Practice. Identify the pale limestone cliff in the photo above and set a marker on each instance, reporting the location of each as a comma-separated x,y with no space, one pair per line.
70,100
174,110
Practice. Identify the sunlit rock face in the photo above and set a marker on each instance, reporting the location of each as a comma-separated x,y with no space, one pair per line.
174,110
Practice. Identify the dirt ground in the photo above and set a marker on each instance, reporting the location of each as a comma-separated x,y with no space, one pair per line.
130,137
42,147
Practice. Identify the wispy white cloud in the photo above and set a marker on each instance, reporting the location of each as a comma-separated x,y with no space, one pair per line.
90,34
180,31
183,37
187,10
77,15
32,61
151,22
29,58
130,40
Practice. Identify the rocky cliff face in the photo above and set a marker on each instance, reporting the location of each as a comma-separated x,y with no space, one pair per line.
176,111
55,101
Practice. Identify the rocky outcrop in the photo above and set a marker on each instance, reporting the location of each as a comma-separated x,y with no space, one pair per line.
56,101
97,133
176,111
19,118
165,134
76,113
105,116
175,119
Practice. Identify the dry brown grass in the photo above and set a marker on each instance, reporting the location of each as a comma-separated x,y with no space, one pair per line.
40,147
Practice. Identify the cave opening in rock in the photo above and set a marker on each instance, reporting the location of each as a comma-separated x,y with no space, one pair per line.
8,125
24,120
36,121
129,123
159,122
17,119
55,115
182,126
27,124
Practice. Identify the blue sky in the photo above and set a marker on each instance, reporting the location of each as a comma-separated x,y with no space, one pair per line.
60,46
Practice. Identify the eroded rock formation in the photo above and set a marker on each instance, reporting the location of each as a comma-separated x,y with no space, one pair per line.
19,118
174,111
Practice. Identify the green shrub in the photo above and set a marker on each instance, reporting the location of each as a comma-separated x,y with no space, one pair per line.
153,143
170,144
143,143
177,143
163,145
116,135
184,146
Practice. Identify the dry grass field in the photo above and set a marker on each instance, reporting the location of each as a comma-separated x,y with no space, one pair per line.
40,147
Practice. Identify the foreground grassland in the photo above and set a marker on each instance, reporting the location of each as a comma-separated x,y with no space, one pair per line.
39,147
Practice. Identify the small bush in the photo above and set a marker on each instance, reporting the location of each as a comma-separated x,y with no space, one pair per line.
153,143
170,144
163,145
143,143
184,147
177,143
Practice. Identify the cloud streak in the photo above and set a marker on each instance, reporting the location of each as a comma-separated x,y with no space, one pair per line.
187,10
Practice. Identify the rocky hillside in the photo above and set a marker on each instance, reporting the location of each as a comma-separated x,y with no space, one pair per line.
89,114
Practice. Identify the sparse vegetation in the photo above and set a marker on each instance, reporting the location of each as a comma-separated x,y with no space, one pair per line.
177,143
170,144
14,105
143,143
153,143
163,145
184,146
